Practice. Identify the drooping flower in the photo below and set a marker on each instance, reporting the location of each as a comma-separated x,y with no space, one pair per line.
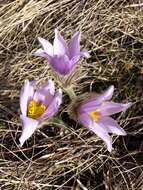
95,114
37,104
62,57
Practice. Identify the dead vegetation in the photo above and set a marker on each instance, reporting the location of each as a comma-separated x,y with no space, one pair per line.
70,157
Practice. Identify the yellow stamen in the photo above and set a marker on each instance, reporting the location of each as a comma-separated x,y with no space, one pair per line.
95,114
35,109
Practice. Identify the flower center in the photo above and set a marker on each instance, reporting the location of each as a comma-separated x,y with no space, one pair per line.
95,114
35,109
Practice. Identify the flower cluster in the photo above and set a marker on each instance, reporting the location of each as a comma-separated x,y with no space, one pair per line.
38,104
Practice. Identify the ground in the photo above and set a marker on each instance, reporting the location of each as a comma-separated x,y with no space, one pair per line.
69,157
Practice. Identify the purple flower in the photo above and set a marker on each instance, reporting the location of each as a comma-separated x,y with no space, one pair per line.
95,114
37,104
62,57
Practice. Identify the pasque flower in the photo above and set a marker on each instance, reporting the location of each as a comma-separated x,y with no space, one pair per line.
37,104
95,114
62,57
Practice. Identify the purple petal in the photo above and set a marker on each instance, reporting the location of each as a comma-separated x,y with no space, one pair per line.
74,46
60,47
47,46
40,52
61,64
53,107
110,108
111,125
48,86
28,128
107,95
97,129
26,93
93,103
85,54
85,119
45,93
73,61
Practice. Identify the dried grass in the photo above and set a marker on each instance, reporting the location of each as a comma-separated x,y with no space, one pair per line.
70,157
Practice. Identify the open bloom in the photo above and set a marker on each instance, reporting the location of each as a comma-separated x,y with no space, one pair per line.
62,57
37,104
95,114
